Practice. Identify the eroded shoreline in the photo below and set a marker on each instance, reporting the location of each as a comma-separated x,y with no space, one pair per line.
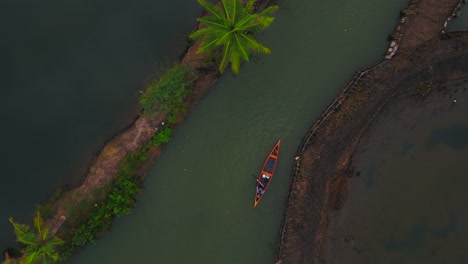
326,151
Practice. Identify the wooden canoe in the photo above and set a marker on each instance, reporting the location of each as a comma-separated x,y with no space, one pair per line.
266,174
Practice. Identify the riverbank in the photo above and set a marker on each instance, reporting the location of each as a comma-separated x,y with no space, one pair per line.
72,208
237,196
418,70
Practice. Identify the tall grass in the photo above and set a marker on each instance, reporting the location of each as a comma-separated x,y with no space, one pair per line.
168,94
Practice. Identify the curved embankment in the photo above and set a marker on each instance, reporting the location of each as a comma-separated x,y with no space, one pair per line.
326,151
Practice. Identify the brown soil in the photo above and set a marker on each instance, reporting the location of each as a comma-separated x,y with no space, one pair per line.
104,167
326,151
424,20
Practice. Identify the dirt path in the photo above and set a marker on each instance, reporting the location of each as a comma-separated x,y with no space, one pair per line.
326,151
104,167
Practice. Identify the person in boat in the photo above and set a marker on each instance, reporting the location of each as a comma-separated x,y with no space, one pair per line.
260,190
265,179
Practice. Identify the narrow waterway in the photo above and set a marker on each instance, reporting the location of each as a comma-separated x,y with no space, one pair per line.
70,74
197,206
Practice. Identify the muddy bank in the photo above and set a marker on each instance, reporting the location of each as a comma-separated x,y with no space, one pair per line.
327,155
421,21
327,149
104,167
400,159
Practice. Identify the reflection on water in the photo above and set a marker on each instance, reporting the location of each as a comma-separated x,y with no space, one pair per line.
408,205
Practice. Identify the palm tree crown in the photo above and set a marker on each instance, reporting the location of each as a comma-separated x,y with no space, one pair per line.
231,25
39,244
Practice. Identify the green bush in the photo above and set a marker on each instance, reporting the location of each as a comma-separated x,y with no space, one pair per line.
162,137
119,201
120,198
168,93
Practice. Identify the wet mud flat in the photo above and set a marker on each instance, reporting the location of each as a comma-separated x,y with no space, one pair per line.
427,74
404,202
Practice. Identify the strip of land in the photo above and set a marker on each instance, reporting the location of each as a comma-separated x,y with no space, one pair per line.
427,58
326,151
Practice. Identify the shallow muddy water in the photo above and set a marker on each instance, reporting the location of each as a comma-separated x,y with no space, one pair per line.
408,205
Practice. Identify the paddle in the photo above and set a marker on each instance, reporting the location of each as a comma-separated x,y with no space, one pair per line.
258,181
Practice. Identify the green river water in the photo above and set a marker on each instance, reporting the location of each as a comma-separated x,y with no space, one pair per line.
71,72
197,205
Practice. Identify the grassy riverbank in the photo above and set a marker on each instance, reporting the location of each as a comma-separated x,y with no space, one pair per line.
111,186
113,194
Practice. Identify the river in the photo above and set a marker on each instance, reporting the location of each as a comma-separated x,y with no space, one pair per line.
71,72
197,203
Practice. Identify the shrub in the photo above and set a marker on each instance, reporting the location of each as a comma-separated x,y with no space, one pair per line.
168,93
162,137
119,201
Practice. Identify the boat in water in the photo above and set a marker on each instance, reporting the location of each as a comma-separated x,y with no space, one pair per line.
266,174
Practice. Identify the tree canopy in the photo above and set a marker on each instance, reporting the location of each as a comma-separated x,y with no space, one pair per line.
39,243
231,25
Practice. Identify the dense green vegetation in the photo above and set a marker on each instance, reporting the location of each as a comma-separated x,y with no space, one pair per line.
86,222
39,245
230,26
168,94
162,137
120,199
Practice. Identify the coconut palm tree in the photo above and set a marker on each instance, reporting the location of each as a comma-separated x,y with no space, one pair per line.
230,25
39,244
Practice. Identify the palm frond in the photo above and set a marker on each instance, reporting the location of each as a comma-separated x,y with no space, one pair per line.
249,7
227,8
235,4
225,58
207,44
39,224
31,258
203,32
225,38
254,45
55,241
20,229
214,22
28,239
269,11
55,256
235,62
259,24
242,49
212,9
